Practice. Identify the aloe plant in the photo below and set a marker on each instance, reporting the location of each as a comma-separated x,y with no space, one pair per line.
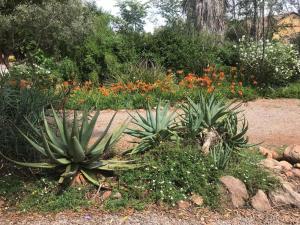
153,129
71,151
211,121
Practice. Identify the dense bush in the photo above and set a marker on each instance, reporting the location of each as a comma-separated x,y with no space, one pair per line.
177,48
18,99
272,63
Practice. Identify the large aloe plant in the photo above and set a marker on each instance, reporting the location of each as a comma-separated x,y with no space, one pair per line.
71,150
153,129
211,121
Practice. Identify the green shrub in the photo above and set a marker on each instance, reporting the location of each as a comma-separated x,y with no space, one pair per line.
279,65
141,72
15,104
292,90
172,174
245,166
178,48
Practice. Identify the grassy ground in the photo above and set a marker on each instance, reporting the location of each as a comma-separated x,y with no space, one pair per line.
171,174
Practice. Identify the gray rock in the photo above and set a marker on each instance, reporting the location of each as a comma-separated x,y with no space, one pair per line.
292,154
237,189
261,202
285,196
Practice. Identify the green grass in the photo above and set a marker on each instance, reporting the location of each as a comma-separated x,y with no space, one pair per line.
41,195
292,90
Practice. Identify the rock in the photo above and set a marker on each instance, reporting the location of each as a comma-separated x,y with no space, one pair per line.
270,154
2,203
117,195
197,200
296,172
260,201
285,165
106,195
297,165
292,154
183,204
272,164
237,190
289,173
285,196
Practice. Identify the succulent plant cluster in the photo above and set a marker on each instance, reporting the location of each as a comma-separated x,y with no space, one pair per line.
71,151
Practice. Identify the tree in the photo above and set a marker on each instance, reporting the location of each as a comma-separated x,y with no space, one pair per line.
170,10
206,15
56,27
133,14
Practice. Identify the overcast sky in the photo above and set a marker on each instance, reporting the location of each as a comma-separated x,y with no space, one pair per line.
110,6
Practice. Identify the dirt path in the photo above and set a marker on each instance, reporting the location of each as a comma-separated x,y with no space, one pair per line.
273,122
158,217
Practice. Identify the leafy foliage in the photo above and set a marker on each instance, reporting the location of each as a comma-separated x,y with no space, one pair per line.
272,63
172,173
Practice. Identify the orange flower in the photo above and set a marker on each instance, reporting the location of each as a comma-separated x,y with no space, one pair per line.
210,89
240,92
66,84
23,84
104,91
255,83
222,76
77,88
232,91
240,84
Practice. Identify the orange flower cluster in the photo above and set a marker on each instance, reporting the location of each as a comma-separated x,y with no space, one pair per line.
236,88
211,79
138,86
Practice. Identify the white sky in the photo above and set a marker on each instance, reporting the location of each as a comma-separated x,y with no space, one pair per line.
151,21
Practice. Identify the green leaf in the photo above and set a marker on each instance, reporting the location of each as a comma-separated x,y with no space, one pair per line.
89,131
79,154
59,126
31,165
103,135
90,176
50,153
33,144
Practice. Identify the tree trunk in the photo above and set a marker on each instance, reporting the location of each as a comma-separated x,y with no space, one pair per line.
207,15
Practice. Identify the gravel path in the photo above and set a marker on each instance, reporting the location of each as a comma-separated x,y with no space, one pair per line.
273,122
158,217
